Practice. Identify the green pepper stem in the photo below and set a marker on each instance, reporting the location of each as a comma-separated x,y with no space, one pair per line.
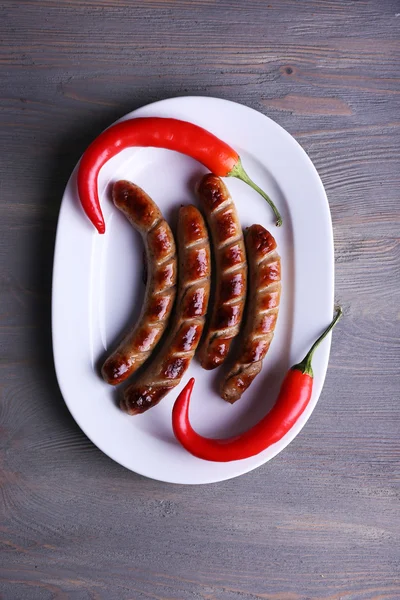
305,365
239,172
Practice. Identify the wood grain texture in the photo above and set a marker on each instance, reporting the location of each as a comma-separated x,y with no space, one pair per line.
320,521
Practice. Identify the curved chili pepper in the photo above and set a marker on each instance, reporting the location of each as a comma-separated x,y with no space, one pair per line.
293,398
158,132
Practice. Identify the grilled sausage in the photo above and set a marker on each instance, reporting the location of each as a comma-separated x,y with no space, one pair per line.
139,343
230,267
193,293
261,312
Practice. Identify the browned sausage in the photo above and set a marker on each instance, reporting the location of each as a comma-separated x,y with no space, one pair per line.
159,242
230,271
261,312
180,345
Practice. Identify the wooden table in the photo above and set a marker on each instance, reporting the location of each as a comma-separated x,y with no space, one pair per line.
319,521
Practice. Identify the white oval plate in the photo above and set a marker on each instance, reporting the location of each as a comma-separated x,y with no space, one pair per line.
98,290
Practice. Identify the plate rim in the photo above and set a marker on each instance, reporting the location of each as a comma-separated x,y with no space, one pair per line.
288,438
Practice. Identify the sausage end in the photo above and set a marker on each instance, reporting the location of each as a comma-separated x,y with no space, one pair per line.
232,388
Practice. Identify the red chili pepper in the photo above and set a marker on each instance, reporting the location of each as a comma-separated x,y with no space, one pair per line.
293,398
158,132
